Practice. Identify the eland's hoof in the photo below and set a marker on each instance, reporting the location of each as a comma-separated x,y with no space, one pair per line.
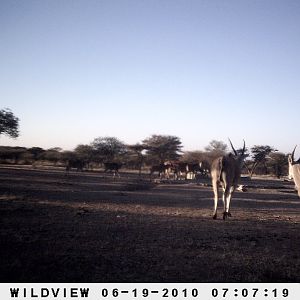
215,217
225,215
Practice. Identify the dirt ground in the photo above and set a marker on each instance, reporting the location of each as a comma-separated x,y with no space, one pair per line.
87,227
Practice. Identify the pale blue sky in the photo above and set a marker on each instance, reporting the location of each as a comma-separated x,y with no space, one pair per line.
201,70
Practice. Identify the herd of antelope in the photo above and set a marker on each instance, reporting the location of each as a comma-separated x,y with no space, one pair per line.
225,171
180,170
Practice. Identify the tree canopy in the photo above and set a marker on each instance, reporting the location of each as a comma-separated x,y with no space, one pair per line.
161,148
216,146
215,149
108,148
9,123
260,155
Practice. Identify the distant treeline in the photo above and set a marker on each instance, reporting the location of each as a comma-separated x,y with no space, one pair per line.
154,150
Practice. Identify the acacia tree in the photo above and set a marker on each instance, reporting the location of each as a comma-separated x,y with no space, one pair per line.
217,148
160,148
9,123
108,149
260,156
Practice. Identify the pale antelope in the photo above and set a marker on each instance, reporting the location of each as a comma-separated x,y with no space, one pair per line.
180,168
162,169
294,170
186,169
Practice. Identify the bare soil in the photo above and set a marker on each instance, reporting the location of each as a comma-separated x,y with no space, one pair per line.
88,227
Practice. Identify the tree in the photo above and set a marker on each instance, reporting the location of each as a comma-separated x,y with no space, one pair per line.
138,157
12,154
108,149
214,150
67,156
193,156
161,148
217,147
260,155
53,155
9,124
85,153
278,163
36,152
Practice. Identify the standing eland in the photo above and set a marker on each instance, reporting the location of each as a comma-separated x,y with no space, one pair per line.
112,167
162,169
227,171
294,170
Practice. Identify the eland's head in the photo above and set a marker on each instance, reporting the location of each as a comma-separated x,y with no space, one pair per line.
240,154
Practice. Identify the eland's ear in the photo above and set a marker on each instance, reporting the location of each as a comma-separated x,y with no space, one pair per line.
290,159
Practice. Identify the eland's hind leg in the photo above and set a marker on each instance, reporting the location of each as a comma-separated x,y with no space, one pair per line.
227,209
216,197
226,200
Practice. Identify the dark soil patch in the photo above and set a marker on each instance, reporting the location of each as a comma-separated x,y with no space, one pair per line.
90,228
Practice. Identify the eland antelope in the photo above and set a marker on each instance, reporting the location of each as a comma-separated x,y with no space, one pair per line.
112,167
186,169
162,169
195,168
76,164
294,170
227,171
180,168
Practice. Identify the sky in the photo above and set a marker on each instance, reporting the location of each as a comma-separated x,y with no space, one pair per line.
200,70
